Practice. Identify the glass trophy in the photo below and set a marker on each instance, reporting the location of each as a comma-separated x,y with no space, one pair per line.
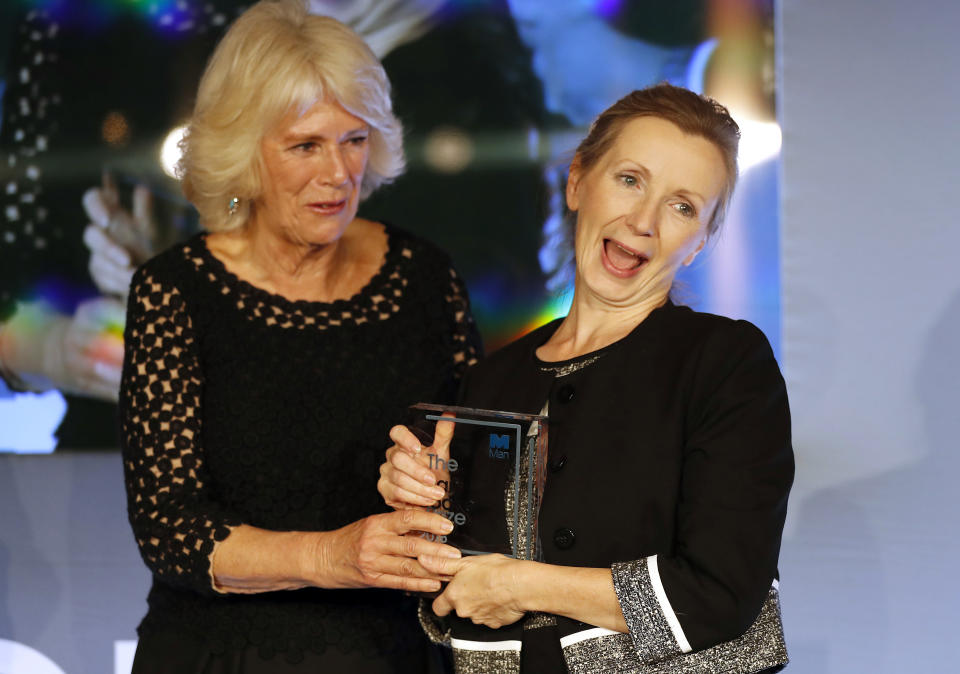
492,468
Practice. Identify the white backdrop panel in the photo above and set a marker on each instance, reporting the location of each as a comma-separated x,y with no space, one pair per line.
871,325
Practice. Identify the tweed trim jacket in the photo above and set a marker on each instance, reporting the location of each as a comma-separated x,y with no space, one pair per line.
670,463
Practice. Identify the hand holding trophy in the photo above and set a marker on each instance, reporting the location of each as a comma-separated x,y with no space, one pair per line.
484,470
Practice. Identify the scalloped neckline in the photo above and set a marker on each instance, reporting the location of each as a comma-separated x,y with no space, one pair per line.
378,280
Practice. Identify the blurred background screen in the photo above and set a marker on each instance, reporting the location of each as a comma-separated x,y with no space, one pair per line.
494,96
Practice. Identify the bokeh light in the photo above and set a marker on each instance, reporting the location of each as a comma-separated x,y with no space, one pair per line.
170,151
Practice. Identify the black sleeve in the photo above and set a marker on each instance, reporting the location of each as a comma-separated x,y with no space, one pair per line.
737,472
174,519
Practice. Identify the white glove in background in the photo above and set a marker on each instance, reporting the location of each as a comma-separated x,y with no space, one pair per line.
118,240
81,354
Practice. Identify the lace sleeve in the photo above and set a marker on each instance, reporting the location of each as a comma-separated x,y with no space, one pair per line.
468,347
175,522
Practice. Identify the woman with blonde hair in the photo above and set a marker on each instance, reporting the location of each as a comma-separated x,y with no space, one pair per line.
264,361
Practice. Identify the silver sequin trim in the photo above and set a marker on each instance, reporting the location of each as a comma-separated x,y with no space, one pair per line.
486,662
569,368
651,633
536,620
609,653
510,506
431,624
760,647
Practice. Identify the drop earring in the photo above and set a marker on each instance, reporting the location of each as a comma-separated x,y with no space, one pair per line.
233,205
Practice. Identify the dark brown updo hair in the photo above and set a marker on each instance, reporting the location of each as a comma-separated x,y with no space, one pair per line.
692,113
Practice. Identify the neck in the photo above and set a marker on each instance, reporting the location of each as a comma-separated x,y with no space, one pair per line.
593,324
288,262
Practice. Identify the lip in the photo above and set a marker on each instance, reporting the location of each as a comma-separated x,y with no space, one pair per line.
327,207
621,273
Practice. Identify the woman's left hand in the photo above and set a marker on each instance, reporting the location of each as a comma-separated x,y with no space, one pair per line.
484,588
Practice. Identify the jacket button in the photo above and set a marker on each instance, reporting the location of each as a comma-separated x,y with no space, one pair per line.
557,464
565,393
564,538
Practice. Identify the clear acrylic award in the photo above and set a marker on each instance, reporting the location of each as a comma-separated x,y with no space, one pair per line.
492,468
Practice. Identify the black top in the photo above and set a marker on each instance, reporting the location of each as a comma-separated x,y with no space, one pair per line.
239,406
670,461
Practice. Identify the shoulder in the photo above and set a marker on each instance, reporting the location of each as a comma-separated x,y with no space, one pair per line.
174,267
682,328
413,245
420,258
517,354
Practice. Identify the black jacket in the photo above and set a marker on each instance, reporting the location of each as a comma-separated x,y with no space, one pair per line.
670,461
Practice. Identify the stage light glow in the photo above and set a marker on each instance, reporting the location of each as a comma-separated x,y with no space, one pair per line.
115,129
448,150
759,141
170,151
557,306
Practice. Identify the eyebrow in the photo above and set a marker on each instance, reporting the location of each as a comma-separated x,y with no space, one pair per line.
294,135
640,168
691,193
634,166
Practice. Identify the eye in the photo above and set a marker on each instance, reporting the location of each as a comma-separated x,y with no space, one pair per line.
627,179
357,141
306,146
685,209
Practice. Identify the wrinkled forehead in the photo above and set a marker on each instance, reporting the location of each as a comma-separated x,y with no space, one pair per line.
666,150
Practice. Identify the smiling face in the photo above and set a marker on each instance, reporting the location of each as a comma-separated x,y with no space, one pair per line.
642,211
313,166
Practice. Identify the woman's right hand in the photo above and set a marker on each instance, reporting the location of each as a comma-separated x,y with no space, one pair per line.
406,478
382,551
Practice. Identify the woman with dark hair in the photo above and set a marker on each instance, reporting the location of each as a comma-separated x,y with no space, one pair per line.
669,443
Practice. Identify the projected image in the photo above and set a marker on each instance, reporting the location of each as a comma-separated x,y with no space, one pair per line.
493,94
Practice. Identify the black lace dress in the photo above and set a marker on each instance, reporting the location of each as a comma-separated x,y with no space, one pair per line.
239,406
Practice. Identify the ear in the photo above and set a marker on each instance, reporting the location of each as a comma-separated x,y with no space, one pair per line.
573,184
688,260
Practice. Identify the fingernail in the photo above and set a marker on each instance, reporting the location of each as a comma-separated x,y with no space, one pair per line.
417,448
437,493
427,477
451,553
434,586
447,527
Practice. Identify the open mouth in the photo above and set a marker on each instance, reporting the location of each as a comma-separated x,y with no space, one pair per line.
620,259
328,207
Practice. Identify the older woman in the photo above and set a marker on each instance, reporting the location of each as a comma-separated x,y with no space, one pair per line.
670,458
264,359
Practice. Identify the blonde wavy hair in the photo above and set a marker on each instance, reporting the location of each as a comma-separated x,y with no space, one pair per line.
277,57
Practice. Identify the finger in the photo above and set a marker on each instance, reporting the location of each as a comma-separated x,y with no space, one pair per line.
394,565
405,521
108,375
108,277
441,565
99,242
413,547
406,498
395,486
397,496
405,439
407,583
442,605
100,312
443,435
143,208
416,472
111,196
96,206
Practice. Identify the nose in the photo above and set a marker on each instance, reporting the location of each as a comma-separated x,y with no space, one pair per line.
642,218
334,171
